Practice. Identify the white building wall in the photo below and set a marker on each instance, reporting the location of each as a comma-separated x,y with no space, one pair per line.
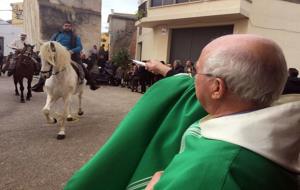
279,21
146,38
9,33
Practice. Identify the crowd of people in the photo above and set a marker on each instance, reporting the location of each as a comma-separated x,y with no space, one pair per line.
133,76
96,67
138,78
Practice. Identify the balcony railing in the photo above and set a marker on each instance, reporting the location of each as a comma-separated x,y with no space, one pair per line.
157,3
142,10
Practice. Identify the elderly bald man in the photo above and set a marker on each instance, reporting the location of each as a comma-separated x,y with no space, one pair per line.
244,142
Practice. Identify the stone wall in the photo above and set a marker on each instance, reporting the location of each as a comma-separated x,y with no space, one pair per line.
43,18
122,34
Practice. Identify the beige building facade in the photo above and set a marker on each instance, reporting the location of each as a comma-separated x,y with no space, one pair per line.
179,29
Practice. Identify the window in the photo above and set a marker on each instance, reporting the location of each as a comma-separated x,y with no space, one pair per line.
168,2
181,1
155,3
142,10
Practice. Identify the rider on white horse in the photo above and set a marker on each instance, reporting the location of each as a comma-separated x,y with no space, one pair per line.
73,44
62,82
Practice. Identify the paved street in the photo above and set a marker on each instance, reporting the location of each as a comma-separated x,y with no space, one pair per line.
30,156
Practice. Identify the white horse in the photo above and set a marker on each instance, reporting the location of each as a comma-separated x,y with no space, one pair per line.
62,82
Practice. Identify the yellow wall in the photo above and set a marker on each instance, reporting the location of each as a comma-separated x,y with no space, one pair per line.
17,14
105,40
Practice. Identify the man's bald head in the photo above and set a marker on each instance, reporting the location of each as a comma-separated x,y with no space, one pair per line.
245,43
252,67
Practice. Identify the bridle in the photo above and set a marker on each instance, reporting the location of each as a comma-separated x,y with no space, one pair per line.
51,69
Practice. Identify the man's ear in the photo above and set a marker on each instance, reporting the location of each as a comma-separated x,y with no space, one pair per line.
218,88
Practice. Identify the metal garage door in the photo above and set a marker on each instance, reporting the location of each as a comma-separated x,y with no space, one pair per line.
187,43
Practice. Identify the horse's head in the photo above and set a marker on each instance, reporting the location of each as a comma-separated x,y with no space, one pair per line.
53,55
27,50
24,56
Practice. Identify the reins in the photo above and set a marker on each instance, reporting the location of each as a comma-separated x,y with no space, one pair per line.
57,72
50,70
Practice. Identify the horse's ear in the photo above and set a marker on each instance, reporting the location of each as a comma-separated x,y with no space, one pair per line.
52,46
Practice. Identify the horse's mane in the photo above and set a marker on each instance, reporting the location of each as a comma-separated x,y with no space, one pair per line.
55,54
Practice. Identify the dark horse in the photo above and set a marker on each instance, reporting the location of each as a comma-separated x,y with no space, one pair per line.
25,68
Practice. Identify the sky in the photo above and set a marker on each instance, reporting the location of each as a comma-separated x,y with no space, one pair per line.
120,6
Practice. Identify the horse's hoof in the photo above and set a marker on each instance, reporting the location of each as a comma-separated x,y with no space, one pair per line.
60,137
80,113
70,119
28,99
54,120
22,101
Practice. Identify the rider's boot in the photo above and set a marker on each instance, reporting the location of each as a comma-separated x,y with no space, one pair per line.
5,68
11,72
38,87
89,79
93,85
36,68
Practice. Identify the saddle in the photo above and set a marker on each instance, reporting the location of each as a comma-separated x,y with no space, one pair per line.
79,71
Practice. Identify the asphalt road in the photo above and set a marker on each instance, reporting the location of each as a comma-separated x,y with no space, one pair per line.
30,156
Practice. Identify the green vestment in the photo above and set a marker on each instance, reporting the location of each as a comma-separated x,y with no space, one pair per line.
154,137
145,141
205,164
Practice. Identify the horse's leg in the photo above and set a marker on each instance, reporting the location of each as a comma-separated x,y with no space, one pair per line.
29,95
80,112
22,91
16,87
46,110
68,111
61,134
